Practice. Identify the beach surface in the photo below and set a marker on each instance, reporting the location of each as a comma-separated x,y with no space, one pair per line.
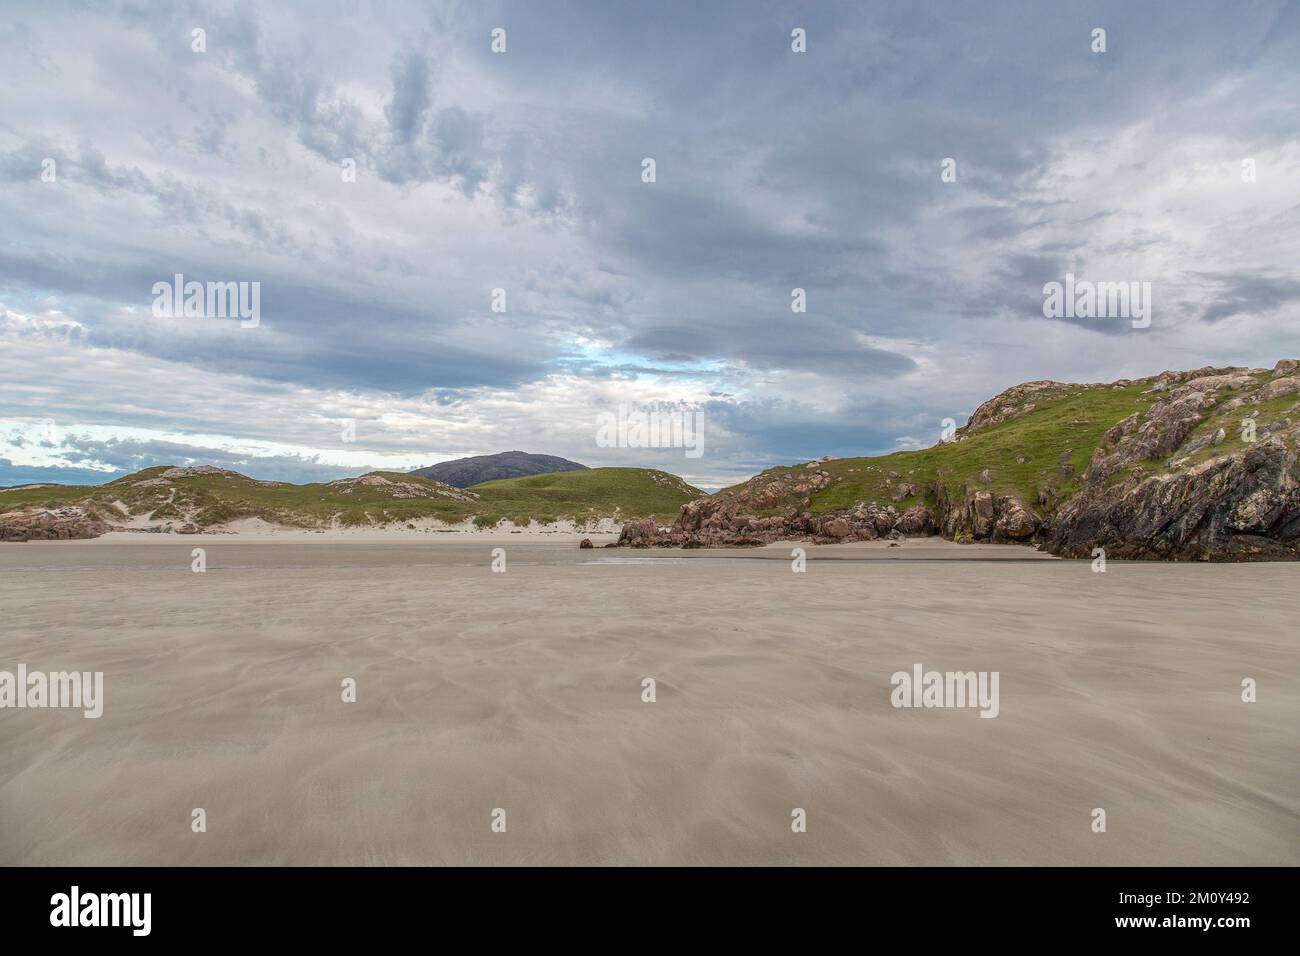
522,690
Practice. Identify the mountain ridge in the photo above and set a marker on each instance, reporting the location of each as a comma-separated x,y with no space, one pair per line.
465,472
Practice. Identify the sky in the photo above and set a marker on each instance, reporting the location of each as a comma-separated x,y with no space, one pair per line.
380,171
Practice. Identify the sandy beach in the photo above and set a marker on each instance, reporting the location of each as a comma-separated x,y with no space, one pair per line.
522,690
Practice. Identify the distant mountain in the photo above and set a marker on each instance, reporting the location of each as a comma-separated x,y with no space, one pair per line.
464,472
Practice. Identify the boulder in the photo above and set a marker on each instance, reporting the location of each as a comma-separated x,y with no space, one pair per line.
915,521
905,489
1279,387
1015,522
641,533
838,528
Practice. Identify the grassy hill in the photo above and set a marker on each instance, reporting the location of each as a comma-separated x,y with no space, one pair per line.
1023,455
590,493
210,497
1160,467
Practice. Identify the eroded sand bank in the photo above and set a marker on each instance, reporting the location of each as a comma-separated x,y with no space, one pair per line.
522,690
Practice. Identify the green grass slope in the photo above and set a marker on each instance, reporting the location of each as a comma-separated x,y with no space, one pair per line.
213,497
621,493
1023,455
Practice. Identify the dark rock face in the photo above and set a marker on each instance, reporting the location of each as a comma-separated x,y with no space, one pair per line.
1241,505
508,464
58,524
1231,508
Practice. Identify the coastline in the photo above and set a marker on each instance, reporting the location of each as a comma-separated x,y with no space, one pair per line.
906,549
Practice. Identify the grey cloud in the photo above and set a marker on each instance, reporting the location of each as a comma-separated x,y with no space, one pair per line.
412,95
674,343
1248,294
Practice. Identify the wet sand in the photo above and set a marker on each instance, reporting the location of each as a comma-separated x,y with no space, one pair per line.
523,691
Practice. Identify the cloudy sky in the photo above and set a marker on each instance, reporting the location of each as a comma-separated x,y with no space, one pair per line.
523,171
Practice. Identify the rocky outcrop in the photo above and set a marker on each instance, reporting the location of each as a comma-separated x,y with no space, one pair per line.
1015,401
915,522
200,471
984,516
1160,484
53,524
1279,387
1240,503
728,520
1232,507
